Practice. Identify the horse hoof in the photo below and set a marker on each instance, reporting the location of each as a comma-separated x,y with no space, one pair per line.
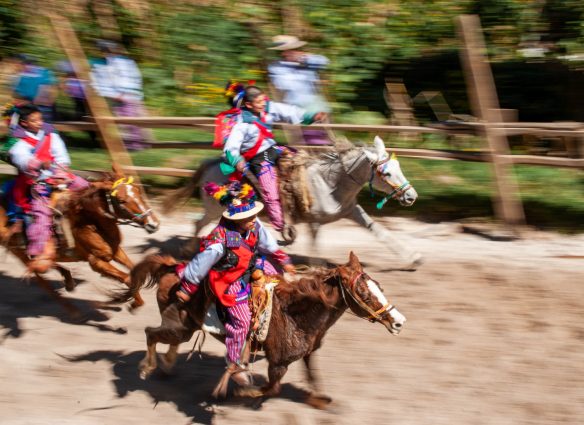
289,233
318,401
145,373
165,366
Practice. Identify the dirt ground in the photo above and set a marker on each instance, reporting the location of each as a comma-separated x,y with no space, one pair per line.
494,336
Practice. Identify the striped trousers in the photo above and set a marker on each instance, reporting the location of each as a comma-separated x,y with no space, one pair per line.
237,326
268,180
38,231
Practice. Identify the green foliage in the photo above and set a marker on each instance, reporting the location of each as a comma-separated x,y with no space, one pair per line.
188,50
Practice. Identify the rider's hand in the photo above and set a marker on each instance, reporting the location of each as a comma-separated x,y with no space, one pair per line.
289,268
320,117
241,166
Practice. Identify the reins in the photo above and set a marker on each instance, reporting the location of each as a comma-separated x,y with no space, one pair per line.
111,197
373,315
398,190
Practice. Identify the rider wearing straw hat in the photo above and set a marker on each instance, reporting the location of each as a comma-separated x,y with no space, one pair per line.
228,256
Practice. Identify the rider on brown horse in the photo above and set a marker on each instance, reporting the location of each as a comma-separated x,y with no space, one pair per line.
41,157
228,256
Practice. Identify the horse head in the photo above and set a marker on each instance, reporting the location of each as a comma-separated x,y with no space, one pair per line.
387,176
365,298
127,204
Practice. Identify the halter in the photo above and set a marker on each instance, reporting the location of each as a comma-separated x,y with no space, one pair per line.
398,190
373,315
127,181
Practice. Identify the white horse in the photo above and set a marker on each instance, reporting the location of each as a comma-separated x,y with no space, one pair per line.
334,180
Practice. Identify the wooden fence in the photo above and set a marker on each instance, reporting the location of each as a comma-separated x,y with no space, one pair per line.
481,91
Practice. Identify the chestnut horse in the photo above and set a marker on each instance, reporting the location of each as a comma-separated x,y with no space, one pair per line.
93,215
303,310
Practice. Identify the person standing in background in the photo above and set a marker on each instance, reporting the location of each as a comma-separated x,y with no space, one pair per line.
118,78
296,77
34,84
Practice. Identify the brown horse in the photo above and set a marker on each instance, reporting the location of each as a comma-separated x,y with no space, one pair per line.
303,310
93,215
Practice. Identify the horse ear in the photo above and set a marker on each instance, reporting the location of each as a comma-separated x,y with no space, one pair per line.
379,147
117,170
373,157
354,262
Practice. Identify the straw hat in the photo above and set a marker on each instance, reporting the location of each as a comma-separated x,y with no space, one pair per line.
286,42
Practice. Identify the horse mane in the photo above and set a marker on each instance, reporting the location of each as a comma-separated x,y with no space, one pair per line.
85,198
315,284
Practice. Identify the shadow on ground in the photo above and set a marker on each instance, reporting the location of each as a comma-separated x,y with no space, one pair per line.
189,387
21,299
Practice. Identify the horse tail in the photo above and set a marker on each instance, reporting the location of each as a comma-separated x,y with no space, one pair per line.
146,274
181,195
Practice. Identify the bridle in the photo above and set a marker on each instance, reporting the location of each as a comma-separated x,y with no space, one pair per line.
374,315
113,201
398,190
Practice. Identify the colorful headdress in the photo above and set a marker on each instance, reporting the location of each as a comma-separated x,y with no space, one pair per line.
239,199
235,92
10,114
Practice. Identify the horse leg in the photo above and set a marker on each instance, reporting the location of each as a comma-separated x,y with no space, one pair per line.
314,227
275,375
148,364
411,258
70,283
171,331
315,398
121,257
106,269
168,360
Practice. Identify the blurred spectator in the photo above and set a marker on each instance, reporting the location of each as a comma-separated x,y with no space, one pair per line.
117,78
73,87
35,84
296,77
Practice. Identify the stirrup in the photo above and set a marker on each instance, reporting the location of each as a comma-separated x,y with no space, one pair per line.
237,373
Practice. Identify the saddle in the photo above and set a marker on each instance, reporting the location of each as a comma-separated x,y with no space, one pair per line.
294,195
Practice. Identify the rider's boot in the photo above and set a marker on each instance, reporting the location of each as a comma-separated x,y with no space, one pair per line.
43,262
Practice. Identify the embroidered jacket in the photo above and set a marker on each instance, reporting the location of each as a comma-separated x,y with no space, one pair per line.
245,133
30,150
226,255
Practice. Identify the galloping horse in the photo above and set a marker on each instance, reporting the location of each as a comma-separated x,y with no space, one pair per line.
334,181
94,215
303,310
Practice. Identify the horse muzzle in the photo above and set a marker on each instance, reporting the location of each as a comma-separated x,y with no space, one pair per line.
397,322
408,198
152,227
394,328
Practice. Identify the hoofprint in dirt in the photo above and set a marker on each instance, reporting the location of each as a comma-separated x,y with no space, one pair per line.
494,336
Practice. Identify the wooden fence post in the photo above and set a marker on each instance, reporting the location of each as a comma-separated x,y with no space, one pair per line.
110,136
485,105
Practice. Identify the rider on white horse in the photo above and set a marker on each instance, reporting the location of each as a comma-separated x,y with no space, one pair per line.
250,144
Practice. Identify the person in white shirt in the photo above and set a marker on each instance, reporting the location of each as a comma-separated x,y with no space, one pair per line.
296,77
118,79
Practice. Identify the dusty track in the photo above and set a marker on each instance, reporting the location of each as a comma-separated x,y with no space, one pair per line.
494,336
